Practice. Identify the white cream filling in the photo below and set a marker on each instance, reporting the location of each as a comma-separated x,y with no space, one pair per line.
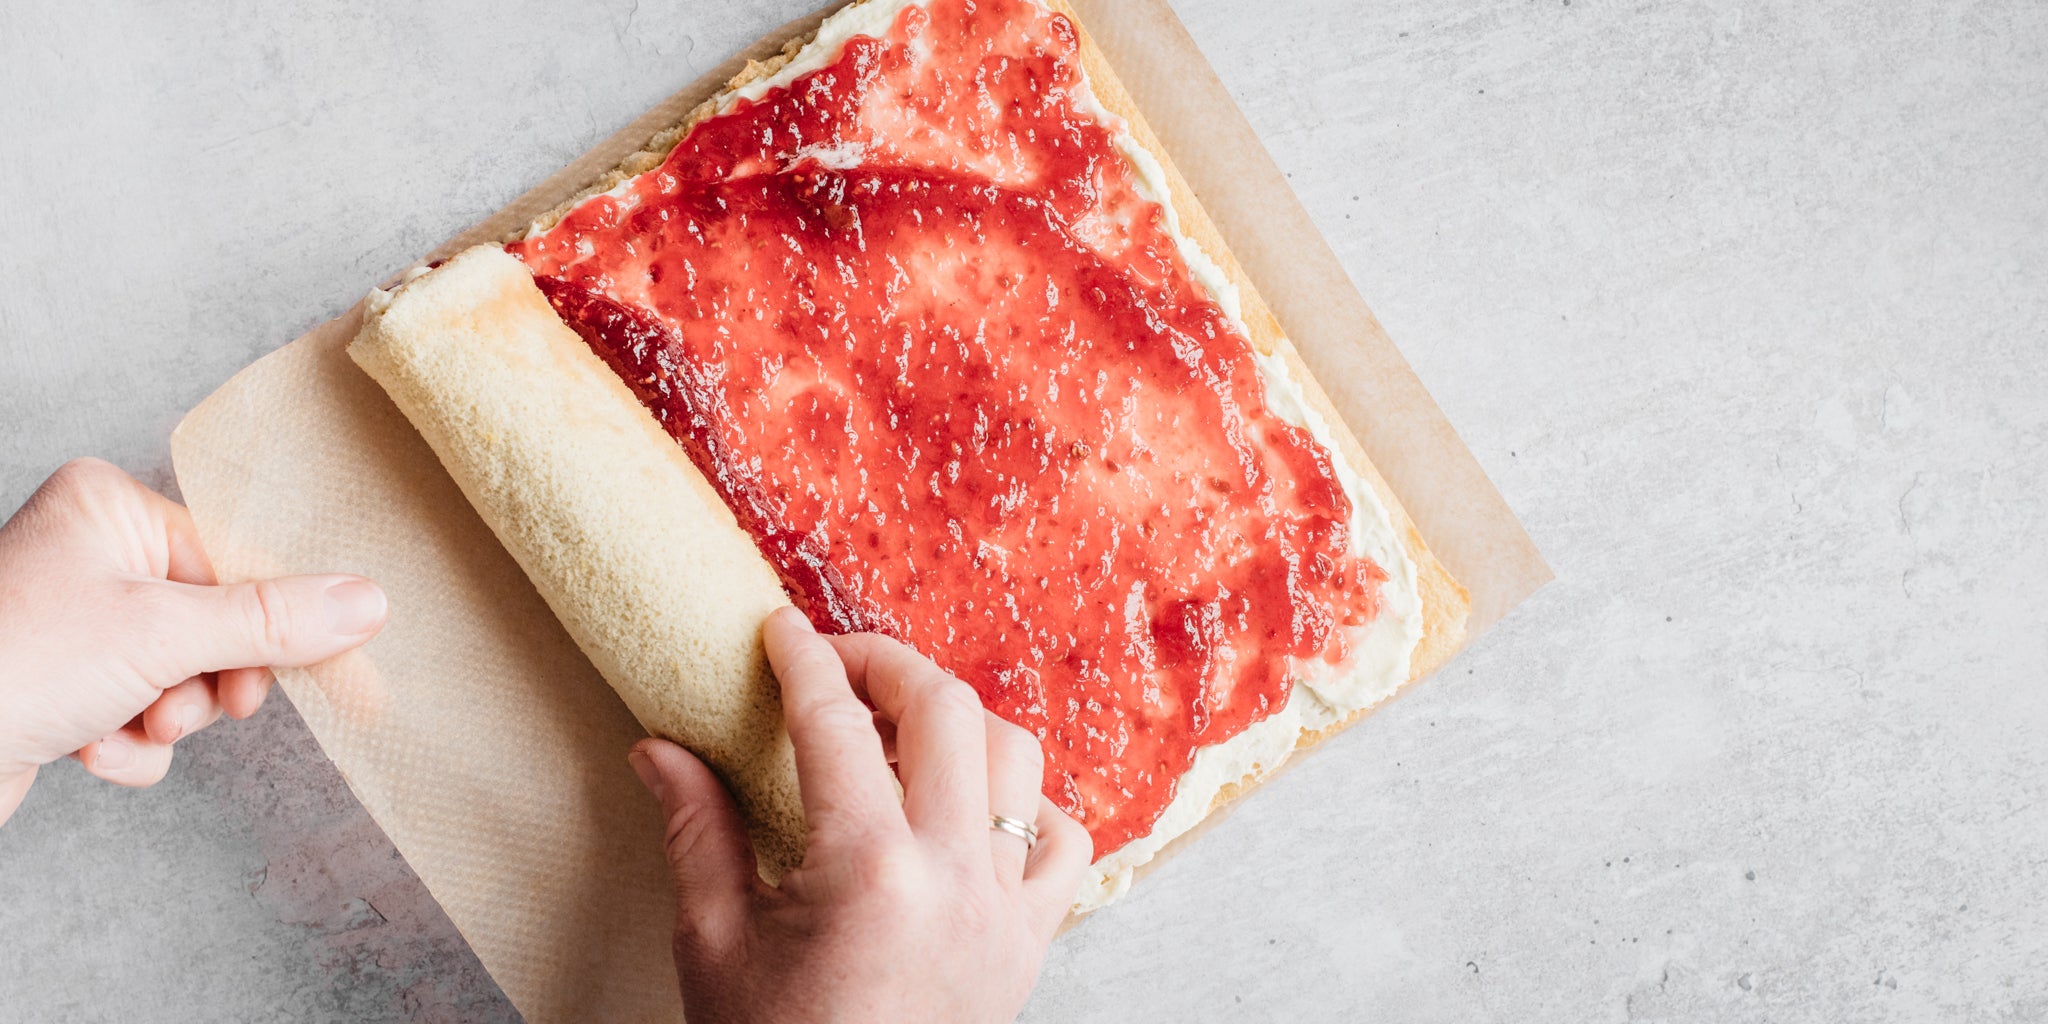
1323,695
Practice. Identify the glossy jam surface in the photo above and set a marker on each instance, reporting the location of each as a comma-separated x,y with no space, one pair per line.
913,318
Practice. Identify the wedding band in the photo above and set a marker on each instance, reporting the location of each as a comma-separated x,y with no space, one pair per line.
1021,829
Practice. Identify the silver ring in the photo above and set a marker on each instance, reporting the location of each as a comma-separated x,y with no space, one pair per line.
1021,829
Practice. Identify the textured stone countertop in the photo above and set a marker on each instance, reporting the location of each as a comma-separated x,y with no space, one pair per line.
1742,303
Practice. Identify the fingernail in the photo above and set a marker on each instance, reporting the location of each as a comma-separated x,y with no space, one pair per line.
113,755
354,606
188,720
643,766
797,618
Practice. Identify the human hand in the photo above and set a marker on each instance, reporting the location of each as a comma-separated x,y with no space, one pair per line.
903,910
115,640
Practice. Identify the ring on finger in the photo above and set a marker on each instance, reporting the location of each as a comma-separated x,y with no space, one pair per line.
1021,829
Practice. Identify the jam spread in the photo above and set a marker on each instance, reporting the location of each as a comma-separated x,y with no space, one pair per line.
914,318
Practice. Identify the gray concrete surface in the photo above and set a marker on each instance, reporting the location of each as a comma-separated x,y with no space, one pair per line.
1744,304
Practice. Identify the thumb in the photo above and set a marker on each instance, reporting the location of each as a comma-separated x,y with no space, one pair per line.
708,852
288,621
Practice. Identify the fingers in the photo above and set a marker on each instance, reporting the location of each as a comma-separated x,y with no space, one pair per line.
1053,877
292,620
708,853
941,739
840,768
128,757
1016,769
181,711
142,530
241,690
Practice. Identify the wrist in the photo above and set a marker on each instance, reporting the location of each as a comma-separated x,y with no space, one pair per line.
14,783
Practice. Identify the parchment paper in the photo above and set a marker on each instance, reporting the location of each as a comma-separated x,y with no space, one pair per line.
475,732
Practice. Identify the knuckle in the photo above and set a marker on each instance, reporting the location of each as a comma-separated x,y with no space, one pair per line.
81,473
267,612
952,698
804,668
686,828
1014,745
812,655
77,484
830,713
692,945
881,643
847,719
889,871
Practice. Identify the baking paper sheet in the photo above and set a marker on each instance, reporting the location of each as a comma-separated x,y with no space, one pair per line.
475,732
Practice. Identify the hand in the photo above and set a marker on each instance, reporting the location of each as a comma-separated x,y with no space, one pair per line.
903,910
115,640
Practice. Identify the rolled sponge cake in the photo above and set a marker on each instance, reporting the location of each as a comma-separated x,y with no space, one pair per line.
624,539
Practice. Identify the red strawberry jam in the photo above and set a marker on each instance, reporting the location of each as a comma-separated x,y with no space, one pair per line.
913,318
